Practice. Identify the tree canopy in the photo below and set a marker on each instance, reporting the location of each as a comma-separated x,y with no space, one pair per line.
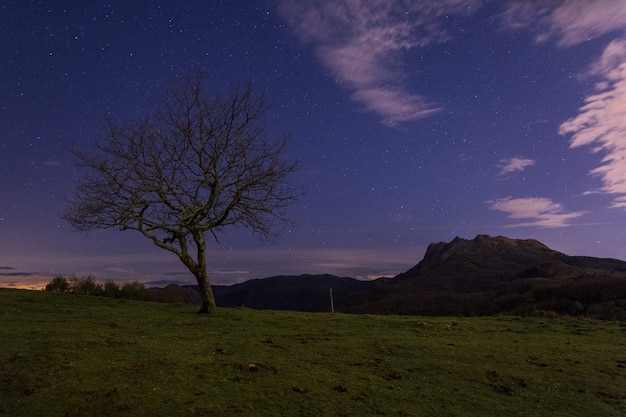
199,162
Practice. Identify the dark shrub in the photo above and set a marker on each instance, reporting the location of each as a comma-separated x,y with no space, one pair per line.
134,291
58,284
85,286
111,289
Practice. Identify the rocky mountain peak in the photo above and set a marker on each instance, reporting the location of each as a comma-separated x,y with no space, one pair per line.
483,253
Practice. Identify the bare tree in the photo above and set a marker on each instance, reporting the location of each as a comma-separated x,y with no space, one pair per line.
197,164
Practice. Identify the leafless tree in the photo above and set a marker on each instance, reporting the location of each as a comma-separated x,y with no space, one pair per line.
196,164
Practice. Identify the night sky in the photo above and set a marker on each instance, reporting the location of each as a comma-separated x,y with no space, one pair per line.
415,121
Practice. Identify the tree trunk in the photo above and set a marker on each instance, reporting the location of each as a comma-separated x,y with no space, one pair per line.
206,292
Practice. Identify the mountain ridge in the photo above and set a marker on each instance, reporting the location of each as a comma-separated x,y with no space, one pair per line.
481,276
499,275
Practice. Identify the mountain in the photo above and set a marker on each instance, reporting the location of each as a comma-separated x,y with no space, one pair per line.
496,275
471,265
482,276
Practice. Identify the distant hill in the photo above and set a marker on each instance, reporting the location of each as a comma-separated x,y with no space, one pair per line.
175,294
495,275
482,276
300,293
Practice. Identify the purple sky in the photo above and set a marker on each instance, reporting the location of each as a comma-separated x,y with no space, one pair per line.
416,121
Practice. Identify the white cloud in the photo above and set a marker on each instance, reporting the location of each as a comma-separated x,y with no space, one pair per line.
534,212
619,202
578,20
601,121
569,22
361,42
516,163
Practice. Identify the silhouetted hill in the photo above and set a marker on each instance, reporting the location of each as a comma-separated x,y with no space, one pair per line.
175,294
470,265
482,276
300,293
495,275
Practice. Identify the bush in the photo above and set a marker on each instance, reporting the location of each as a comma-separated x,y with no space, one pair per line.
134,291
58,284
111,289
85,286
89,286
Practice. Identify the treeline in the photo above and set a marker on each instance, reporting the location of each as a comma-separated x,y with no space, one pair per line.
599,297
127,290
89,286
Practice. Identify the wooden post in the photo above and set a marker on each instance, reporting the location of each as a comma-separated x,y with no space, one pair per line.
332,304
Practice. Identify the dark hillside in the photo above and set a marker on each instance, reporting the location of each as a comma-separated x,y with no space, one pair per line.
175,294
497,275
474,265
482,276
310,293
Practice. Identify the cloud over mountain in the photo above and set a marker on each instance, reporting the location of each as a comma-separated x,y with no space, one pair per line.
534,211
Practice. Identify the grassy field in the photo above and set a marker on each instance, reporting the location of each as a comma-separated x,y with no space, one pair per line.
69,355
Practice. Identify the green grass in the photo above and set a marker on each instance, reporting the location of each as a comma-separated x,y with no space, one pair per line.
68,355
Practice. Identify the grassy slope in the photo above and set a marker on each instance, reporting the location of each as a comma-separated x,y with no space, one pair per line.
65,355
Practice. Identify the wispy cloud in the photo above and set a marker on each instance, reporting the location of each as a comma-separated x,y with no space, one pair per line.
228,265
513,164
534,212
619,202
567,22
361,263
361,42
601,121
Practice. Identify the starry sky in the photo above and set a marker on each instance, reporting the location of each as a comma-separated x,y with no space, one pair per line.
416,121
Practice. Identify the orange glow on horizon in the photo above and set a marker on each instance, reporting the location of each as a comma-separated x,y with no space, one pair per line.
24,286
